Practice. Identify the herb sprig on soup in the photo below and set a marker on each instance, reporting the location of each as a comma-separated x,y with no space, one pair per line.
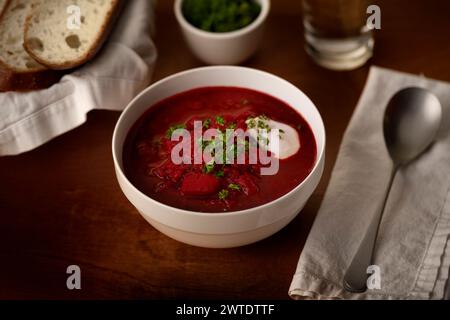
220,171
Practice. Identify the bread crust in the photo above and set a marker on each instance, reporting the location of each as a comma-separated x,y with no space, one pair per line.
102,35
2,10
26,81
13,80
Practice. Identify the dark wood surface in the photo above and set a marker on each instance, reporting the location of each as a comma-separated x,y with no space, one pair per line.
61,205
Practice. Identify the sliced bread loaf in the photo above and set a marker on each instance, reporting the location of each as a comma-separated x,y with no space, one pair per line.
55,39
18,70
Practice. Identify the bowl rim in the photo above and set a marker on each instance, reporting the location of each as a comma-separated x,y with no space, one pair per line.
265,9
317,164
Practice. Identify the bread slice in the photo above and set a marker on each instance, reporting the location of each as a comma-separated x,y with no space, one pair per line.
51,36
18,70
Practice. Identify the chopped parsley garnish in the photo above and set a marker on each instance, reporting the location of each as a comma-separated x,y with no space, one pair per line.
251,123
260,124
173,128
223,194
220,120
220,174
209,167
234,186
207,123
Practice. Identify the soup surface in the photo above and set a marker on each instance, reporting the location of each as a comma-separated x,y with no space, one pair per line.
211,186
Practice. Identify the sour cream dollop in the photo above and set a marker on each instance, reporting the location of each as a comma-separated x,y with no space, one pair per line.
279,138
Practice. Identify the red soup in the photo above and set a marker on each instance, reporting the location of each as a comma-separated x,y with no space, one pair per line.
208,185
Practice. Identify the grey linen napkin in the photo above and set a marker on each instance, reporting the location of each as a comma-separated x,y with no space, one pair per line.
413,247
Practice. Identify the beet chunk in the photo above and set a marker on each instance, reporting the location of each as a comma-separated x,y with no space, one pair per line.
199,184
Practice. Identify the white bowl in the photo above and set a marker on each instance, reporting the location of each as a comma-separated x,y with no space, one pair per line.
230,229
227,47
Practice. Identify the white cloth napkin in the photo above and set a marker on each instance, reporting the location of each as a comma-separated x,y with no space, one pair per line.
413,248
121,70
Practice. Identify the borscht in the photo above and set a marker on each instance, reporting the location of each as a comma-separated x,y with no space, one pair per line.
219,149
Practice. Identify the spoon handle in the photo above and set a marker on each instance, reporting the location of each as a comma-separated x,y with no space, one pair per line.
355,279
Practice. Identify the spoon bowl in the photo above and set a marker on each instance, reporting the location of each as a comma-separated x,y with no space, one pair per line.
411,122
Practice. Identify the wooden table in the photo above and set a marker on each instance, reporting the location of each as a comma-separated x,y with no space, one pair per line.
61,205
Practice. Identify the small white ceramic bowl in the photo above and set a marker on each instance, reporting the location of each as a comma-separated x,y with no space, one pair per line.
224,48
230,229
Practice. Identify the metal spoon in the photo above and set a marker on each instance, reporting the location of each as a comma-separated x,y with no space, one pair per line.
411,122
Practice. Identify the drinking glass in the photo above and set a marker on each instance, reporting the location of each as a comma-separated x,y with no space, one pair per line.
336,33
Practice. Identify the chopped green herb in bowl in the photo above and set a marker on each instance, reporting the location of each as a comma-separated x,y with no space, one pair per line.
220,15
222,32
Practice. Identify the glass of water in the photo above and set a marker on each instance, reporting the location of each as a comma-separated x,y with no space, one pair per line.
336,33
